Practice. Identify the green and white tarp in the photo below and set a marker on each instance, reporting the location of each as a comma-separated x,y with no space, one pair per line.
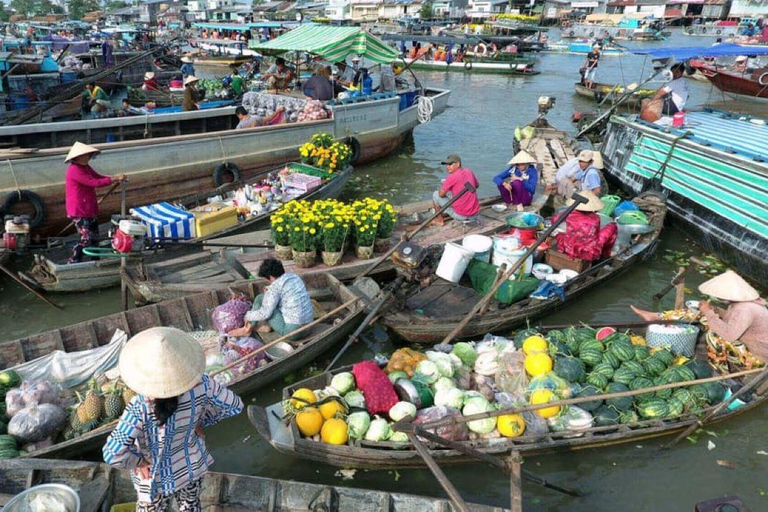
331,43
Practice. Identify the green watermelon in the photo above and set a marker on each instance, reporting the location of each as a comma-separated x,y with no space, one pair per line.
590,391
656,408
684,395
591,356
665,355
641,353
10,379
642,383
598,380
633,366
699,393
699,368
569,368
618,336
605,416
611,359
555,335
685,373
675,406
654,367
624,376
623,349
585,334
622,403
558,348
604,369
715,392
628,416
591,345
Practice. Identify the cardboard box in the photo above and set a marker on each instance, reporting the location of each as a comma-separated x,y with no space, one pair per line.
210,222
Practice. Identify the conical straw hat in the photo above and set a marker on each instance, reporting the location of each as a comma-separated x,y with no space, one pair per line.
522,157
729,286
162,362
597,160
190,79
80,149
594,204
149,75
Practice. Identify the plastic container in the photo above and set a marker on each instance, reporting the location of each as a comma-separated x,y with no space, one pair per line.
454,262
678,119
63,495
505,253
681,340
481,245
207,223
610,203
132,227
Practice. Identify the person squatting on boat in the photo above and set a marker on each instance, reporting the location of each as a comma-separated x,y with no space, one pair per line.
580,173
251,121
160,434
283,307
583,237
467,206
82,207
674,93
517,182
191,99
96,99
744,319
279,75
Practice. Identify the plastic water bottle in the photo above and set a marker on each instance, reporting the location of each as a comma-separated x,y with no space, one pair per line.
367,85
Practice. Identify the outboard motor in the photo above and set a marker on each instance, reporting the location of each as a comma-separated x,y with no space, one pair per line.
127,235
16,235
415,263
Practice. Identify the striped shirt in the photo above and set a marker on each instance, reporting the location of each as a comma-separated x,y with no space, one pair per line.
289,294
176,454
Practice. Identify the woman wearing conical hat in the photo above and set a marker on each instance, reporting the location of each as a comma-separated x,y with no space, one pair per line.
517,182
745,319
160,433
80,186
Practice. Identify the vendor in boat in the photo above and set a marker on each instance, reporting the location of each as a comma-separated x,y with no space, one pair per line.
236,81
187,69
97,99
590,67
81,183
283,307
191,95
583,238
279,75
160,437
150,82
248,121
467,206
675,93
579,173
345,73
319,86
517,182
744,319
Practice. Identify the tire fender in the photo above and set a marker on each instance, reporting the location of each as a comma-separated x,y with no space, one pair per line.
571,33
763,80
26,196
222,170
354,145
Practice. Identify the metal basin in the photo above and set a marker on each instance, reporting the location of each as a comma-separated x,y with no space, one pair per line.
42,498
627,231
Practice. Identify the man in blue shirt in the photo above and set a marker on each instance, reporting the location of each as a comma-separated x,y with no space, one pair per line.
581,173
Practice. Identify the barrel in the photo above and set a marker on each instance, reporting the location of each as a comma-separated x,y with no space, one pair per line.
504,253
479,244
454,262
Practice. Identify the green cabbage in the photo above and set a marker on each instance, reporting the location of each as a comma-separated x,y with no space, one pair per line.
451,397
379,430
443,383
443,362
398,374
402,410
477,405
355,399
465,352
457,363
357,424
343,382
399,437
427,372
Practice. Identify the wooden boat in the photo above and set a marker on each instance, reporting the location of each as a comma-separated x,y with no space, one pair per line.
172,155
388,455
428,315
483,66
746,86
100,487
171,278
161,98
610,93
223,52
188,314
52,273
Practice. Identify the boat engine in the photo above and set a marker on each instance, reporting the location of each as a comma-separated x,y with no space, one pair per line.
16,235
127,235
414,262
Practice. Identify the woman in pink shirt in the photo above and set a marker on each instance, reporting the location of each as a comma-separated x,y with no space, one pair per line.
82,206
467,206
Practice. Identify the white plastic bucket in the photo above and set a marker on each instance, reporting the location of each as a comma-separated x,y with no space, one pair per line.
479,244
454,262
503,254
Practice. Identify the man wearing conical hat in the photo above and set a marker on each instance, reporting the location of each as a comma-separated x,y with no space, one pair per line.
584,239
517,182
82,207
745,319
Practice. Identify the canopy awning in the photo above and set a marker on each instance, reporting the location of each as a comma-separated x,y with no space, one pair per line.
331,43
693,52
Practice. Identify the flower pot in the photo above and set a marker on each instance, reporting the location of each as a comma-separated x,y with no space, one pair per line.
381,245
284,252
364,252
331,259
304,259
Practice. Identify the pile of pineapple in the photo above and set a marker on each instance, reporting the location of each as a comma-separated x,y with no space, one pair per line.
96,406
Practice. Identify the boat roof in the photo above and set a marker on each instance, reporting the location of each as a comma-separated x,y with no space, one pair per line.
432,39
243,27
694,52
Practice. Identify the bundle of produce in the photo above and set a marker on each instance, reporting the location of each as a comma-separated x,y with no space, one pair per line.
231,314
313,111
96,406
263,105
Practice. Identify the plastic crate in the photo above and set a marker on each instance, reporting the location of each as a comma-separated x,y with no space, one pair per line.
309,170
301,181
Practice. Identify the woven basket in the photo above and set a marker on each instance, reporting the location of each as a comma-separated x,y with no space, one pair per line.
209,340
681,340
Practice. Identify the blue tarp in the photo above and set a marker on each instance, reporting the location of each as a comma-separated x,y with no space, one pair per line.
694,52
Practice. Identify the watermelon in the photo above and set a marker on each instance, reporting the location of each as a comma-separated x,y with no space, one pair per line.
699,393
685,373
633,366
10,379
685,396
715,392
585,334
624,375
554,335
699,368
611,359
521,336
675,406
654,367
590,390
569,368
641,383
641,353
558,348
604,369
592,345
623,349
628,416
655,408
598,380
591,356
605,416
618,336
622,403
665,356
603,333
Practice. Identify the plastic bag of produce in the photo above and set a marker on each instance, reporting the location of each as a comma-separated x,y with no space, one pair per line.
241,348
39,392
231,314
453,432
14,402
378,390
574,418
552,382
484,385
534,423
510,375
36,422
405,359
491,342
463,378
443,362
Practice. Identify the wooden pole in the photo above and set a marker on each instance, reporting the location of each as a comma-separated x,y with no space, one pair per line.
39,295
439,475
671,284
680,290
123,284
515,482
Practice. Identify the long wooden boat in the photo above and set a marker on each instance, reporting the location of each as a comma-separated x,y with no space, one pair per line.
388,455
428,315
161,98
599,92
715,177
52,273
497,67
100,487
172,155
188,314
171,278
746,86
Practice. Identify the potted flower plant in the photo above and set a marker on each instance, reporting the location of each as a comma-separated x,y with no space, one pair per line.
385,227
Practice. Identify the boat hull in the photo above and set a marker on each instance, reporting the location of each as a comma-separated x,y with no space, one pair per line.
502,68
600,91
734,84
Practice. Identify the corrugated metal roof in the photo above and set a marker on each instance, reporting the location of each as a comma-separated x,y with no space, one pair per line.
729,132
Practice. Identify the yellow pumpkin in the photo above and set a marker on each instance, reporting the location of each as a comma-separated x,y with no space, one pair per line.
538,363
309,421
511,425
302,397
534,344
637,340
332,408
543,396
334,431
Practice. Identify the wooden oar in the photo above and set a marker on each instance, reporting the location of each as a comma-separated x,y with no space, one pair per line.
675,280
102,198
577,200
722,405
287,336
439,475
39,295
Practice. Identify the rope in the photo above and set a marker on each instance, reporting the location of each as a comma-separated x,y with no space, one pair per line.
425,109
15,181
223,153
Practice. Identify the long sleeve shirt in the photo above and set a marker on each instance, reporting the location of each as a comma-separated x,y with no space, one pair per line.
743,321
80,186
288,294
177,456
529,182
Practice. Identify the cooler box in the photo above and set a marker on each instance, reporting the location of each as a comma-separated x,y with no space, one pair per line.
301,181
163,220
211,219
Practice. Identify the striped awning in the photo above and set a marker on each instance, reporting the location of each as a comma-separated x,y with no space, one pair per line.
331,43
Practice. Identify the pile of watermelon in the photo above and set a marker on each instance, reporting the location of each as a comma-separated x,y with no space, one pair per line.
604,361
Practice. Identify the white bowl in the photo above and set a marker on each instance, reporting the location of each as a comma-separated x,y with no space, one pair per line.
568,273
541,270
693,305
279,351
499,208
557,278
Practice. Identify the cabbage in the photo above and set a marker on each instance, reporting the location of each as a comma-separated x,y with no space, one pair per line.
343,382
456,362
443,362
474,394
477,405
399,437
451,397
427,372
378,430
326,392
355,399
443,383
402,410
397,374
357,424
465,352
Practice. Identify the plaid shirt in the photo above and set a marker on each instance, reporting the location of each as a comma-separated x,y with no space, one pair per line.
290,295
176,454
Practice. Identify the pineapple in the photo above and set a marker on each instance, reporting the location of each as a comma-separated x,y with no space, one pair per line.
113,404
92,407
88,426
128,395
74,419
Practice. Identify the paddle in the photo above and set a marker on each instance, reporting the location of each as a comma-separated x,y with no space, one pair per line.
577,200
39,295
439,475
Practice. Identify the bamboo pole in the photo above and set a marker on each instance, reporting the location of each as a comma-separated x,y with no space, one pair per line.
680,290
439,475
37,294
515,482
